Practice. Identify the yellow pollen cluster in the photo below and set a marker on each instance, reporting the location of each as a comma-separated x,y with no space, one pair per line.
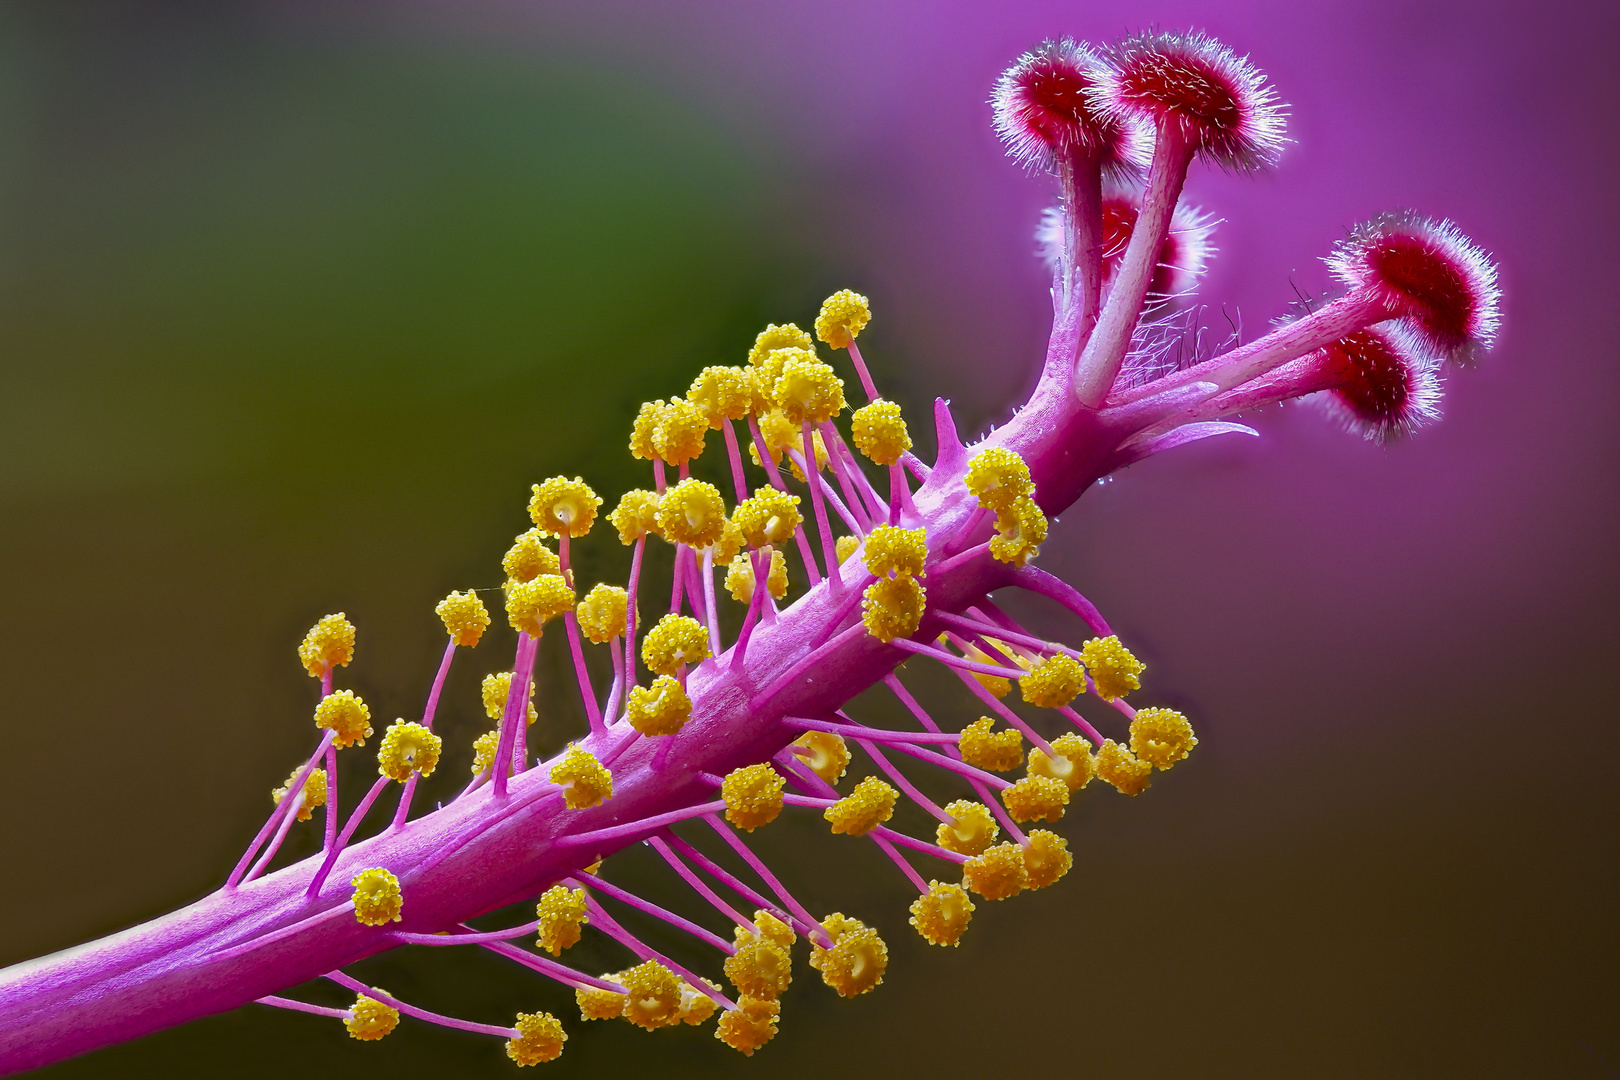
1113,669
1161,737
692,513
1036,798
760,968
376,897
676,641
998,752
314,791
942,913
369,1019
696,1006
768,517
824,752
644,428
808,391
893,607
660,709
845,546
774,929
652,995
749,1026
1116,765
997,873
864,809
539,1038
1046,859
997,477
1053,681
408,748
773,337
740,577
585,781
769,369
678,438
562,913
636,515
529,557
347,716
532,604
329,643
857,959
999,687
843,316
731,542
465,617
496,689
897,552
603,612
723,393
880,431
974,829
753,796
597,1004
1020,532
484,748
1073,765
561,505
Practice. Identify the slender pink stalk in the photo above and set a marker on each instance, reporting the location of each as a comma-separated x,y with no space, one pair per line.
302,1006
281,810
734,455
810,568
591,881
687,875
348,831
421,1014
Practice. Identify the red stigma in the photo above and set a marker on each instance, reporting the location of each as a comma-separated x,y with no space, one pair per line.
1045,108
1380,385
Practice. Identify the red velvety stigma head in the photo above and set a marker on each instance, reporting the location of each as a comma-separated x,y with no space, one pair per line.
1046,110
1382,384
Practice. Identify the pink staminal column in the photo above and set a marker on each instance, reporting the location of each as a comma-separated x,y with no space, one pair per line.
811,570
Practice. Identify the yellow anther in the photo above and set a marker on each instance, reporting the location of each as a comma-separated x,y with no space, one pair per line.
880,431
496,689
999,687
782,436
1114,671
893,607
1001,751
760,968
1073,765
660,709
408,748
942,913
680,432
1046,859
636,515
696,1006
652,995
484,748
329,643
1053,681
998,476
897,552
562,913
369,1019
749,1026
529,557
603,612
774,929
857,959
692,513
1115,764
677,640
1036,798
768,517
597,1004
465,617
825,753
532,604
376,897
753,796
997,873
1020,532
864,809
723,393
740,577
645,428
314,790
585,781
560,505
1161,737
785,336
845,546
346,716
730,543
808,391
843,316
974,829
539,1038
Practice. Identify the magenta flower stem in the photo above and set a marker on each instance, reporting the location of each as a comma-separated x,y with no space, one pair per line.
591,881
610,926
763,871
478,937
303,1007
420,1014
687,875
348,830
736,885
855,731
282,809
550,968
734,455
635,830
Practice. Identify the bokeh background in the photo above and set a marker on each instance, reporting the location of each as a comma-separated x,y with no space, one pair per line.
297,299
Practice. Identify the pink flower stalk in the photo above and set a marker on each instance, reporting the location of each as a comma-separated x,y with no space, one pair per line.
697,740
